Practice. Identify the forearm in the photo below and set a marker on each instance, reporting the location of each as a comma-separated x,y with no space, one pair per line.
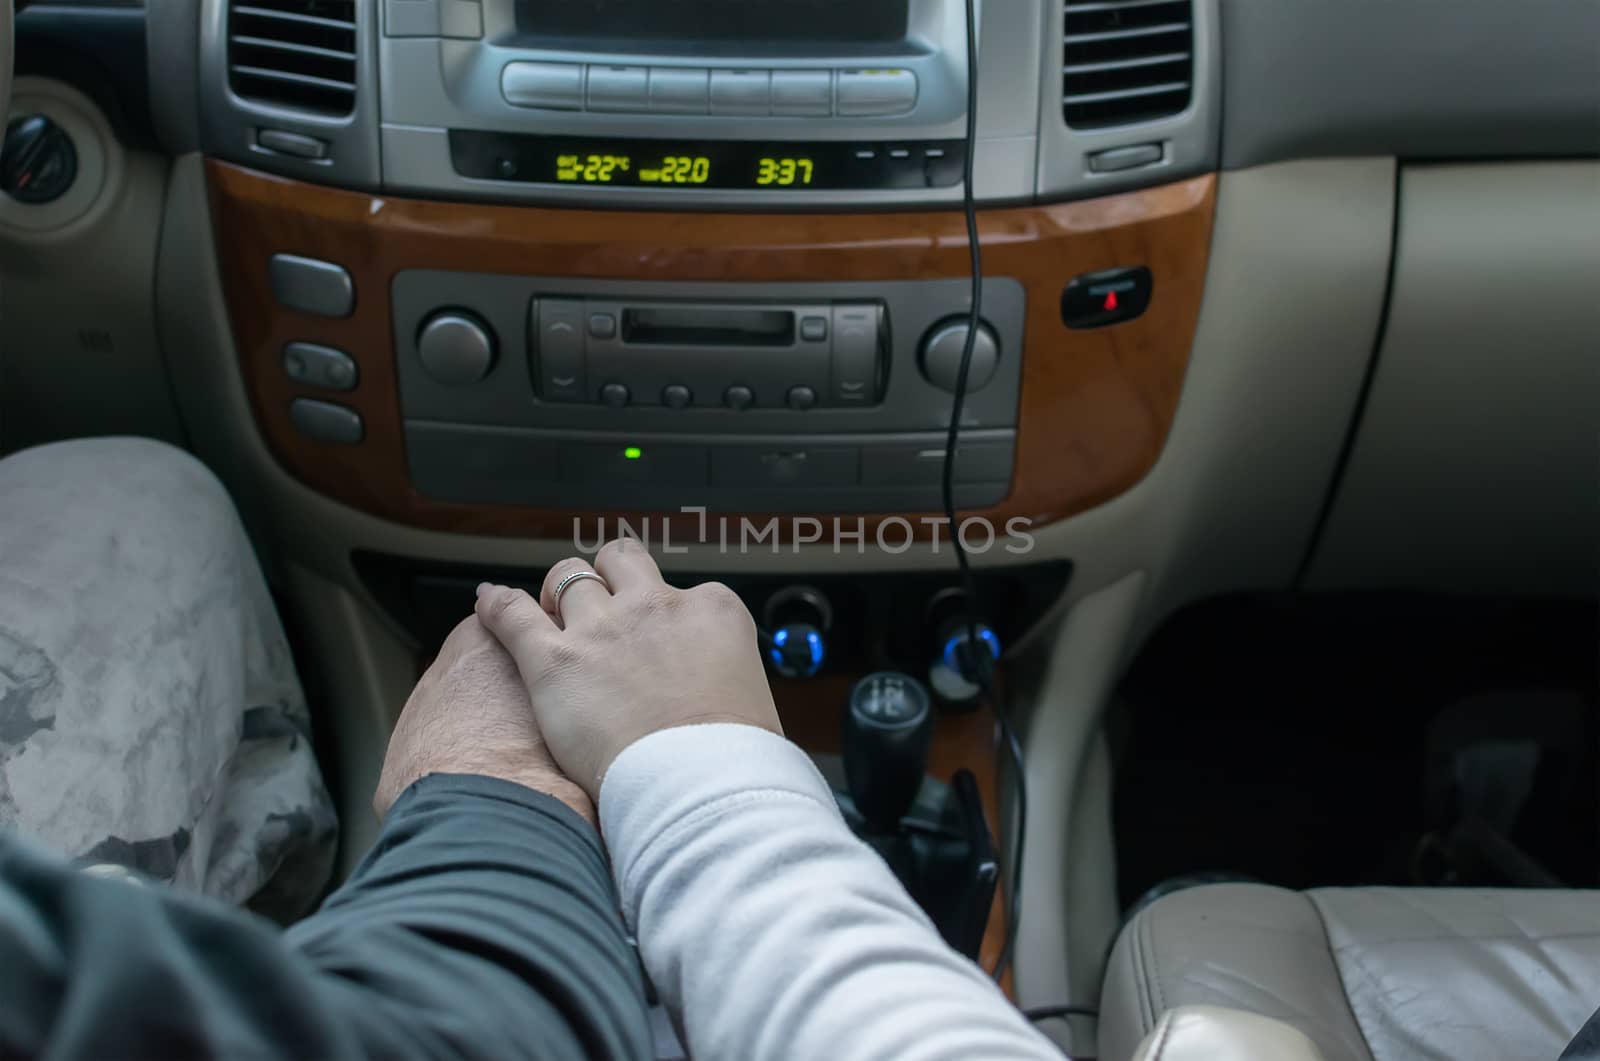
481,925
486,921
769,930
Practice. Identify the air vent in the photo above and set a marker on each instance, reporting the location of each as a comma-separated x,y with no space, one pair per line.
299,54
1126,61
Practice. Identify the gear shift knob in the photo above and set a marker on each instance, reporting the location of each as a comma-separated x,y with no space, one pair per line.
887,725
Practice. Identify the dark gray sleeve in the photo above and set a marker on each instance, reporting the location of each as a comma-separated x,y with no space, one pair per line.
483,924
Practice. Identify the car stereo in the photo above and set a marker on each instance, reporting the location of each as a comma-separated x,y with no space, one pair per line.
637,102
707,104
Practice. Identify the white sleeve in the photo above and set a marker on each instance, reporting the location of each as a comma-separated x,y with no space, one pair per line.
769,930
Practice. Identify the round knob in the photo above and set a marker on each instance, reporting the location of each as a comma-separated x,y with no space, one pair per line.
676,396
615,395
941,355
738,397
456,347
802,398
39,162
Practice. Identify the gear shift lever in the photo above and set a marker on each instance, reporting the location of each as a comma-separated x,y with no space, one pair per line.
887,726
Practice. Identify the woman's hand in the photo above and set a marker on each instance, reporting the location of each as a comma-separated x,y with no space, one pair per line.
614,665
470,715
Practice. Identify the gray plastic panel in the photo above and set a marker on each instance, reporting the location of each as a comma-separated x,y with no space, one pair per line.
506,396
1188,140
488,465
433,84
1470,79
228,124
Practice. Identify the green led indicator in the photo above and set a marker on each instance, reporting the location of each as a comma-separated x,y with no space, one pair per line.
633,453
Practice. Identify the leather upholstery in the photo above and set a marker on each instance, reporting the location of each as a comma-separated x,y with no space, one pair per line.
1207,1033
1368,974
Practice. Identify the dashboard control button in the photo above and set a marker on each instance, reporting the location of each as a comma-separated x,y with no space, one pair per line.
411,18
976,462
676,396
320,366
869,93
461,19
297,145
855,355
1117,159
738,397
619,88
311,286
942,351
558,351
793,466
677,90
553,86
814,329
456,347
326,421
616,395
802,93
602,325
1111,296
635,465
802,398
741,92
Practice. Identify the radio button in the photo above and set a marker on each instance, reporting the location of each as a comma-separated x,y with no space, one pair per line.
558,324
741,92
619,88
802,93
635,465
615,395
799,466
869,93
814,329
676,396
855,355
738,397
602,325
801,398
675,90
554,86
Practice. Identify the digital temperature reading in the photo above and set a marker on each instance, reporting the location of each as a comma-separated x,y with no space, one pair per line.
784,171
618,169
771,166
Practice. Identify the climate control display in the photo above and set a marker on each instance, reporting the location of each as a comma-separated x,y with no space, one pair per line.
749,165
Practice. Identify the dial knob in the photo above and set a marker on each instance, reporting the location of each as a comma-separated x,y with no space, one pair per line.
39,162
456,347
942,349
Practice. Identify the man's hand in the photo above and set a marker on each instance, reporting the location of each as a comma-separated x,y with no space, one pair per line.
616,666
470,715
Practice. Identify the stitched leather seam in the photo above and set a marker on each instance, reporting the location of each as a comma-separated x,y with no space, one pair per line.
1161,1041
1155,972
1344,987
1142,982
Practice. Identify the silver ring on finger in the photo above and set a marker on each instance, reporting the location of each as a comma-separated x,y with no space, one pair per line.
576,576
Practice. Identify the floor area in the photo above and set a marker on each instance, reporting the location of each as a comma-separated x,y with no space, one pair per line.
1308,741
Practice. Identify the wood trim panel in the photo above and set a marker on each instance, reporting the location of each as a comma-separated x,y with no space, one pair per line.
1096,405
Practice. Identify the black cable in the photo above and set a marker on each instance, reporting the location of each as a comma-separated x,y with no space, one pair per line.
978,658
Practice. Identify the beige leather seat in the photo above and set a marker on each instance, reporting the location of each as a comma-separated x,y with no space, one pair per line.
1368,974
